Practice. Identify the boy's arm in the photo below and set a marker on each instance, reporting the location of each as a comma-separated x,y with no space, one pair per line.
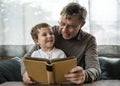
28,54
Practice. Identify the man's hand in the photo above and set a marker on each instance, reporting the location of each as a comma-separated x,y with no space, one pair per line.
76,75
26,79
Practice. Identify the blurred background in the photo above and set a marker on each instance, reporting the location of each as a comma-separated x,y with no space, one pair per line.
17,17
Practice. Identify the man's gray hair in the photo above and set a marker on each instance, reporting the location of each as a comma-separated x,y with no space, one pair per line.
74,9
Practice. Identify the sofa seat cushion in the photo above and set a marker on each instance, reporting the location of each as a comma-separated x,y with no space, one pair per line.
10,70
110,68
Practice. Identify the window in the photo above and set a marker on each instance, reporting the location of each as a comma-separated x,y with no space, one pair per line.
18,16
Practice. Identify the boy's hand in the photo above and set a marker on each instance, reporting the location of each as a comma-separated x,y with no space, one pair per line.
26,79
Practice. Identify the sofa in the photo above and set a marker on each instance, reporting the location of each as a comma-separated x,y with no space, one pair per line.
11,55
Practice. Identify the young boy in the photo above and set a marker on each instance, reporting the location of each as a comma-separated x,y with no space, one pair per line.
43,36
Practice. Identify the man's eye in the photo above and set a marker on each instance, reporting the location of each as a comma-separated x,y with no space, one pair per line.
71,26
62,24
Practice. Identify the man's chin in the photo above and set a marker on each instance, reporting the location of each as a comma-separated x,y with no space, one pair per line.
66,37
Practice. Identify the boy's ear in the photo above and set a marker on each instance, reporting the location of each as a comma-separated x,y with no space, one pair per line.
36,41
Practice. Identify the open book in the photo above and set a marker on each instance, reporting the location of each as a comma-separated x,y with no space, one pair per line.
49,71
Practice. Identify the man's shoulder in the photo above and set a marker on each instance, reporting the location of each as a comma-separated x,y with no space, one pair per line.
86,34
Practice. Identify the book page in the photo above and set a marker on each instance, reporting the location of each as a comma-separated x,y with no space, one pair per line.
61,68
36,70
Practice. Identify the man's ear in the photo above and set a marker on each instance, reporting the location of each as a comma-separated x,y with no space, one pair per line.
36,41
82,24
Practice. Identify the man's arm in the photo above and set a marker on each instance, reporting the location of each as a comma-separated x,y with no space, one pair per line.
92,71
92,68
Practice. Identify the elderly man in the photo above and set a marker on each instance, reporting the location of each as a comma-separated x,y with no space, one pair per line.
75,42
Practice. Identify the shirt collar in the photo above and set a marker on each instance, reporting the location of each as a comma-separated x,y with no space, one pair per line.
79,36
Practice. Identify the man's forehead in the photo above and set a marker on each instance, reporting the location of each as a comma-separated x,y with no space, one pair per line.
69,17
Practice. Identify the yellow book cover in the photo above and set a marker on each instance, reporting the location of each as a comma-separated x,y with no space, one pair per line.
46,71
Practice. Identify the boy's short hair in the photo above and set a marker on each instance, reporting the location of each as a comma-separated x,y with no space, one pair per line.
74,9
34,31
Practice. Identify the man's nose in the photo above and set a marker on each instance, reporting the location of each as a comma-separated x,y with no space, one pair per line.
64,29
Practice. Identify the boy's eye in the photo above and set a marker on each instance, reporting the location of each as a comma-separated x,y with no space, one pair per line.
44,34
51,33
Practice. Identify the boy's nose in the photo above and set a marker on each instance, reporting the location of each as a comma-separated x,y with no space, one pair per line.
49,35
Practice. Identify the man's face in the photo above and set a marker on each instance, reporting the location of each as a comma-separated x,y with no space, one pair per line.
69,27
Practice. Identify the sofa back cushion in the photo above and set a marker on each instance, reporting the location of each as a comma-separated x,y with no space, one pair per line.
110,68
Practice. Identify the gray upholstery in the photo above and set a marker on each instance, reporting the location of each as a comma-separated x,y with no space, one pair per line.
20,50
109,50
14,50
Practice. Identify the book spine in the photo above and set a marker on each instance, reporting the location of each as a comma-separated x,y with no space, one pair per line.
50,74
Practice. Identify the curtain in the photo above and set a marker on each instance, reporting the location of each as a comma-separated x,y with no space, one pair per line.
17,17
104,21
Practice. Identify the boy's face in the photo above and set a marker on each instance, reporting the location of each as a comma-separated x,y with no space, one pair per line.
46,38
